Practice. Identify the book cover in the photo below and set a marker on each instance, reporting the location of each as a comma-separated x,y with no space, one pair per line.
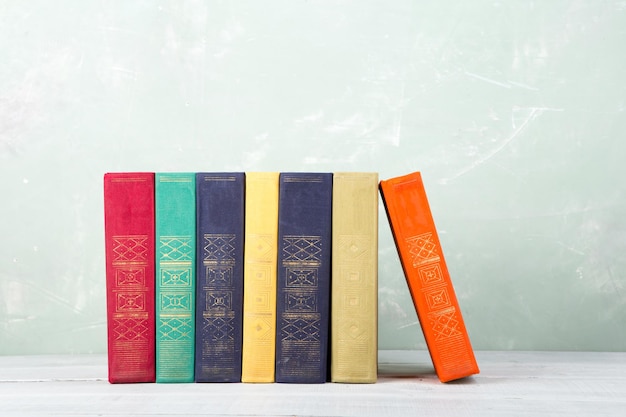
129,245
303,285
219,297
260,257
175,272
354,286
427,276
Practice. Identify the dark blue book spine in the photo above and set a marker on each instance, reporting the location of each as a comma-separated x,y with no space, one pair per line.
303,286
219,306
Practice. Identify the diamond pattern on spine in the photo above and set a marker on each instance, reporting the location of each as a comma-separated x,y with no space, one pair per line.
130,329
175,248
445,324
300,328
219,328
422,249
260,247
219,257
130,260
354,247
301,261
133,248
219,248
263,328
302,249
175,328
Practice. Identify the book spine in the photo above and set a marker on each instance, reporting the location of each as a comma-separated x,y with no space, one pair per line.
219,306
129,246
354,310
303,287
260,257
175,289
427,276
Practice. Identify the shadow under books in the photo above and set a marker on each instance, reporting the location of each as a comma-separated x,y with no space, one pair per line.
389,372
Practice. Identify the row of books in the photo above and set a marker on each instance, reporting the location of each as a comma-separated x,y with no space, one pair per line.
264,277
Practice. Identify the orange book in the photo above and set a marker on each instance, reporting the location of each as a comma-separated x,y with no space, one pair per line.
427,276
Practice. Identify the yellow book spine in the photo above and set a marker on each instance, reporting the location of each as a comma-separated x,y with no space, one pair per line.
354,308
260,258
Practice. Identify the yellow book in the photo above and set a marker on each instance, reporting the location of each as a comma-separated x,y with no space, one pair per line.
260,258
354,309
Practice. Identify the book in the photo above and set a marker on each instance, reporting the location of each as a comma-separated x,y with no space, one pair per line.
354,285
219,296
427,276
260,257
129,253
303,285
175,285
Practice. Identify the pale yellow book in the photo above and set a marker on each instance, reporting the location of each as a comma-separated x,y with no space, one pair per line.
260,259
354,308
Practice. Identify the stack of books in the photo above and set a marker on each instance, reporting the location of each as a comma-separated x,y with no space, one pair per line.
266,277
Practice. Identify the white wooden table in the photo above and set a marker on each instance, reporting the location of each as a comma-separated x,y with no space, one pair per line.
510,384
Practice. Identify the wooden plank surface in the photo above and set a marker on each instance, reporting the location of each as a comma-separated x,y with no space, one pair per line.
510,383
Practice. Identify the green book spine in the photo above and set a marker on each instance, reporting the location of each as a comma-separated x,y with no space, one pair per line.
175,269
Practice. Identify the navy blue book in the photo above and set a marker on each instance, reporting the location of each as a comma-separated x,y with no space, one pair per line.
219,306
303,284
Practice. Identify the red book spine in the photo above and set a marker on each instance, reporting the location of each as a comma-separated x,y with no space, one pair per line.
427,276
129,241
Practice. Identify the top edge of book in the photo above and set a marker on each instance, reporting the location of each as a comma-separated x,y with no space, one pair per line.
128,176
220,176
413,176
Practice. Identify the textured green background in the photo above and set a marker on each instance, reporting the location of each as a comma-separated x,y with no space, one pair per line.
514,111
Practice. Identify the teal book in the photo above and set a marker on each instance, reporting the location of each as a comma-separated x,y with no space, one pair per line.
175,201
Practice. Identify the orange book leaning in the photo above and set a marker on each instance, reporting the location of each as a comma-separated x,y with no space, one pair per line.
427,276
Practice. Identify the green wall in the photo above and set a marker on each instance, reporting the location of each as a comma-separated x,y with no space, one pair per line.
514,112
